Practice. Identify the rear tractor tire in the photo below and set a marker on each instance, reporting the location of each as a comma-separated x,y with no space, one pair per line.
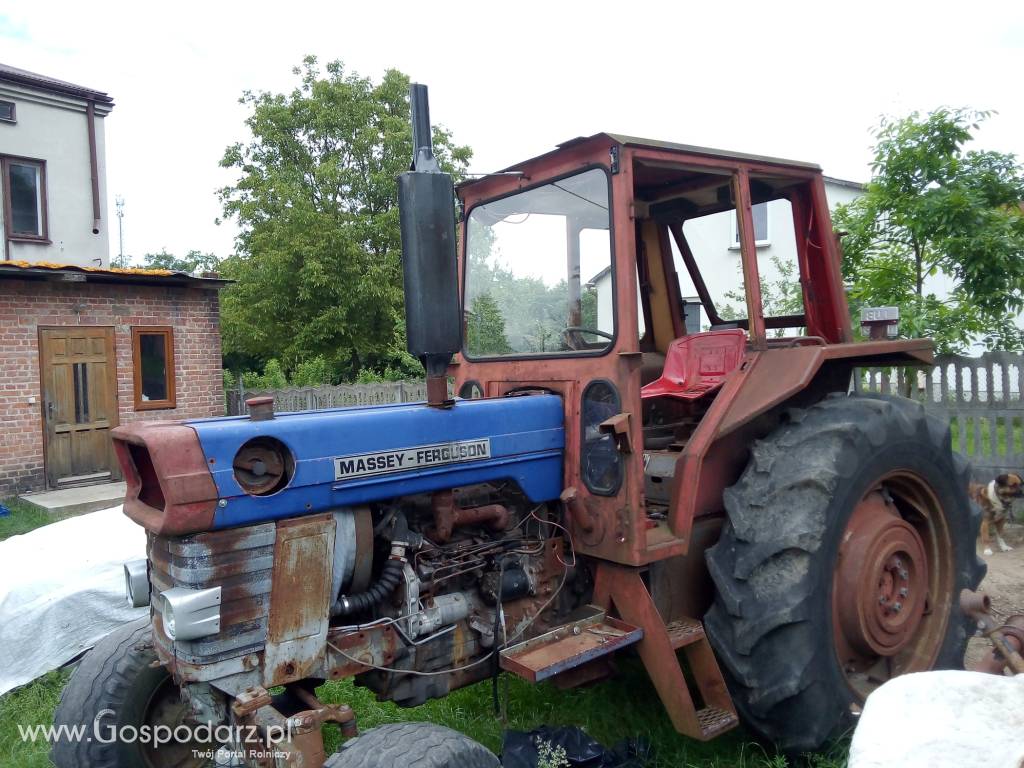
412,745
848,540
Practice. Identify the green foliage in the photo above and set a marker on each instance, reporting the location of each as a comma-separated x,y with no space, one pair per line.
520,312
194,262
781,296
550,755
272,377
318,266
485,327
934,207
312,372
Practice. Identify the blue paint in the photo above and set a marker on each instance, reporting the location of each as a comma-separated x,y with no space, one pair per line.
526,436
4,511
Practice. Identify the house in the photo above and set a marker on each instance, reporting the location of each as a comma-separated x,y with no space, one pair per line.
714,240
53,165
83,347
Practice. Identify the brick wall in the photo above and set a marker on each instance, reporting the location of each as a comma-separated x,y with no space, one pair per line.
27,304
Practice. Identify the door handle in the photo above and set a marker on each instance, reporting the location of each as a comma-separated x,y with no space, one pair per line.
49,410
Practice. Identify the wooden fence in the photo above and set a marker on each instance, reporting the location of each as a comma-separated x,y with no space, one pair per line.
326,396
981,397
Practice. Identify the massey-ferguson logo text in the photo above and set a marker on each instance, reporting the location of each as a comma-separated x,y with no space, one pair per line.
382,462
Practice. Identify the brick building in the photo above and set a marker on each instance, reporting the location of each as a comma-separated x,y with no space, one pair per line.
85,349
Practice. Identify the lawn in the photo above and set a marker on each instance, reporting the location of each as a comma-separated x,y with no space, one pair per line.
622,708
23,518
626,707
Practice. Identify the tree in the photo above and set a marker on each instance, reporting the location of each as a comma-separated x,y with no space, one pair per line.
485,328
781,296
934,208
193,261
318,268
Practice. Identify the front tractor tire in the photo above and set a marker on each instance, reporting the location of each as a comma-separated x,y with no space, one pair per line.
413,745
115,690
848,540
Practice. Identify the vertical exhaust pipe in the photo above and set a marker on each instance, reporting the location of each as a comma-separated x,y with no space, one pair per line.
426,201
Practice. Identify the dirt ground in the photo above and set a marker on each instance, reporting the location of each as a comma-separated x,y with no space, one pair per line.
1004,584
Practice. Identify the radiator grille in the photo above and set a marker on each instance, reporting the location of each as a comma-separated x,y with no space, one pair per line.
240,561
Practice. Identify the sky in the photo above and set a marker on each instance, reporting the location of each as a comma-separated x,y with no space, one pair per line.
798,80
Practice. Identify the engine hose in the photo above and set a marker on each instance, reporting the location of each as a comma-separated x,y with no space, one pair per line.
390,577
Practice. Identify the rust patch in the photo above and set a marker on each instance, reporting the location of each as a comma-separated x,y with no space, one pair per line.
351,652
299,598
170,490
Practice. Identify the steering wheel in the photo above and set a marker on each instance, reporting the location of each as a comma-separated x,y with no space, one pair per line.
572,338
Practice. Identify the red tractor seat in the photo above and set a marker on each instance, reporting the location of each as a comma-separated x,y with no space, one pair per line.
698,364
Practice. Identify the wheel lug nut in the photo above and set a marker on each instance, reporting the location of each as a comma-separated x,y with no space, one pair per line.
897,607
903,592
904,575
898,563
882,601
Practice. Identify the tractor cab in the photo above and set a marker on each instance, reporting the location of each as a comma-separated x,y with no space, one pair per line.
639,281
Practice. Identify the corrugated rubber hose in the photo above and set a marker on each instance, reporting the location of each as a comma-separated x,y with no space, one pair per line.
390,577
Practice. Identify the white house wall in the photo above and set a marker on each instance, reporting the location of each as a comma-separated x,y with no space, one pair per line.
54,129
711,240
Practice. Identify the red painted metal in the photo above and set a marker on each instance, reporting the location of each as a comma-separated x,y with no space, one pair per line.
622,589
748,255
166,455
881,581
698,364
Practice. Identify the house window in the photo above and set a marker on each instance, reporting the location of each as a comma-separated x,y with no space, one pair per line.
24,191
7,112
759,212
153,351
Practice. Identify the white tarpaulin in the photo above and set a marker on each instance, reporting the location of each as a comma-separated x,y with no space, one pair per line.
942,720
62,589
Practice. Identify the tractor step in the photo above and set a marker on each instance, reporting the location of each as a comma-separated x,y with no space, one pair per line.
701,713
683,632
569,646
714,721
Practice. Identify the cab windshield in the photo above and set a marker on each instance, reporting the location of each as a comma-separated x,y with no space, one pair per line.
539,271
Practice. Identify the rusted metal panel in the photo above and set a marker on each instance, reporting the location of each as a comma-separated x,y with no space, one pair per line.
240,562
350,652
300,598
569,646
170,490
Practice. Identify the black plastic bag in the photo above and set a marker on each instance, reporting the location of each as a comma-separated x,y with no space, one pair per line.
519,749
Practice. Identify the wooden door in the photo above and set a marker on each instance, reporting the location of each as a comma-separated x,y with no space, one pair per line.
79,380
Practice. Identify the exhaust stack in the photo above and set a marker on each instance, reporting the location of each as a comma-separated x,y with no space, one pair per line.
426,201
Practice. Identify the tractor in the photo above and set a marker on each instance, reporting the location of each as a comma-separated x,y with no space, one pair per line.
603,465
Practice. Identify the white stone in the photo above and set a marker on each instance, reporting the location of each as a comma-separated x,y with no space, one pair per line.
942,720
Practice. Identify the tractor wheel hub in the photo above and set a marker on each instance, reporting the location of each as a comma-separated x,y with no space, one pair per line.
881,579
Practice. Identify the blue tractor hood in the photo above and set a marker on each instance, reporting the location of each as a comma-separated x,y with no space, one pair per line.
348,456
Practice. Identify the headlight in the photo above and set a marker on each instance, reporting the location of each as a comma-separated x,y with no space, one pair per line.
136,583
189,613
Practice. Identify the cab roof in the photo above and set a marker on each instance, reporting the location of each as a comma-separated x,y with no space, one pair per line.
691,149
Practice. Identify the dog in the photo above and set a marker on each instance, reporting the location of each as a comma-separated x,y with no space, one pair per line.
995,499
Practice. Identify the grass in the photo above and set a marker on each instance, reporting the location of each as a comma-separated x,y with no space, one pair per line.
23,518
32,704
622,708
